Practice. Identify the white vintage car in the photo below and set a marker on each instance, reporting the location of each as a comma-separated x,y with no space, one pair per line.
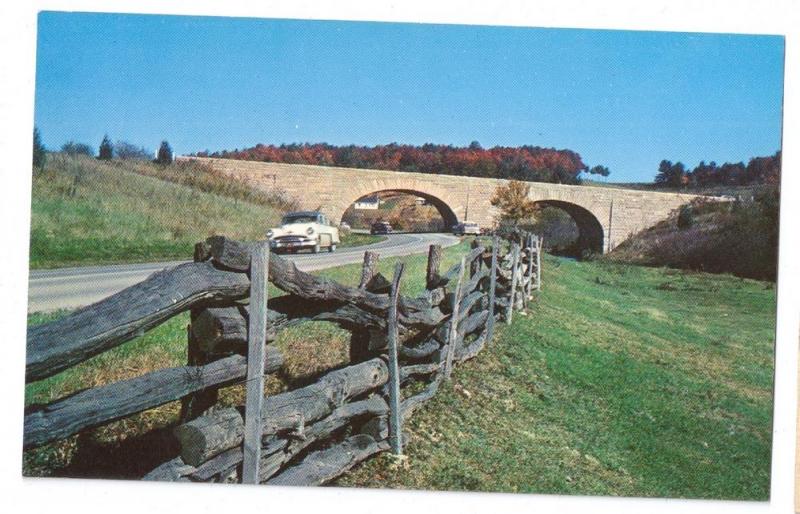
309,230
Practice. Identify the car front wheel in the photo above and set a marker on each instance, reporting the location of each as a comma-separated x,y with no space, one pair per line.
332,248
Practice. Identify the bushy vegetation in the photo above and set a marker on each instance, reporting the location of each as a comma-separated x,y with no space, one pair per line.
759,170
738,237
528,163
73,148
129,152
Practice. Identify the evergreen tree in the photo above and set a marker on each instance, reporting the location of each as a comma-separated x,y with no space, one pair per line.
106,149
164,153
39,151
600,170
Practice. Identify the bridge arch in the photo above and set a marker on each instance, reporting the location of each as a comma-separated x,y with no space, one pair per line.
447,205
591,233
618,212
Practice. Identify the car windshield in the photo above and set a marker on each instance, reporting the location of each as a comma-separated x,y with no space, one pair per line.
298,218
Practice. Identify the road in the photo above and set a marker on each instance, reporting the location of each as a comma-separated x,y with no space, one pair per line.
69,288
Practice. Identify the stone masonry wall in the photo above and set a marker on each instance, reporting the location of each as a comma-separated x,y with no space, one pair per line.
332,190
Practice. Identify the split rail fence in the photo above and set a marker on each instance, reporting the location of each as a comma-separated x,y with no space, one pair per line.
308,435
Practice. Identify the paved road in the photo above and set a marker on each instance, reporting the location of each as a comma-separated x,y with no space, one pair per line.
68,288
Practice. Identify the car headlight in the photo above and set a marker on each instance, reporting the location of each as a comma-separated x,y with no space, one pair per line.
270,233
310,230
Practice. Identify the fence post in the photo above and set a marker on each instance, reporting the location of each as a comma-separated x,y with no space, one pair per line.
195,404
368,268
395,421
452,335
533,249
514,262
256,341
492,287
523,269
475,265
359,339
434,260
539,247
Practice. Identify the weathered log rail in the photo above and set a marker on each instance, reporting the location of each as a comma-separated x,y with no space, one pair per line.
311,434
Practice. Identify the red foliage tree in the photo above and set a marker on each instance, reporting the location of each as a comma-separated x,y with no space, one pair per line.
528,163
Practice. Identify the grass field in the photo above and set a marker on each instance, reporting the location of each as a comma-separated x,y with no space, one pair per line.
137,212
621,380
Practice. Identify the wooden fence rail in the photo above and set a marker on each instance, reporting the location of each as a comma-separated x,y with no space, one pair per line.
307,435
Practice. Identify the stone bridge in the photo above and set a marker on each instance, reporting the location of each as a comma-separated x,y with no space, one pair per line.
605,216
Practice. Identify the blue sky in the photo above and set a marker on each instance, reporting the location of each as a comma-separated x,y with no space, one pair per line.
623,99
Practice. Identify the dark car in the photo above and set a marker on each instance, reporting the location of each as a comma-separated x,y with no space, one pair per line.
381,227
466,228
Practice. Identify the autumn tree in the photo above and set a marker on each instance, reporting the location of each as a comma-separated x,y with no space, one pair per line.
513,202
527,163
39,151
106,152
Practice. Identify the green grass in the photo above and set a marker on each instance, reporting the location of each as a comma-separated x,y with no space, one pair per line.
123,212
117,215
621,380
350,239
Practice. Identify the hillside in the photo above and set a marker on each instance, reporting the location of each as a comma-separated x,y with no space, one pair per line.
85,211
738,237
622,380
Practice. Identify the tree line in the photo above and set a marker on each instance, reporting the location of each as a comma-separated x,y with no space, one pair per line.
107,151
758,170
526,163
